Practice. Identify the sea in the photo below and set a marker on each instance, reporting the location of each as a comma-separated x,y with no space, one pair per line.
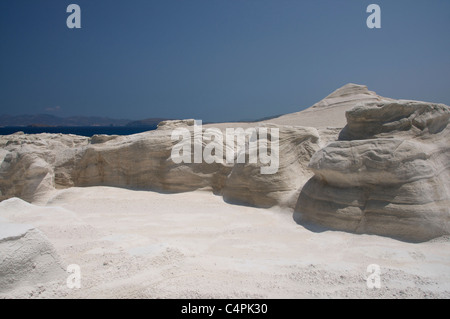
88,131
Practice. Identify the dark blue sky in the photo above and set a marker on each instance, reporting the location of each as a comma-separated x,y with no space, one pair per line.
216,60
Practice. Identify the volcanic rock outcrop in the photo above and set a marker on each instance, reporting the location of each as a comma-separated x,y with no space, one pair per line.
389,173
245,184
32,165
386,172
330,112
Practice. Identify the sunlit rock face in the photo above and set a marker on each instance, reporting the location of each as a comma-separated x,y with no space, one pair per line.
388,174
384,171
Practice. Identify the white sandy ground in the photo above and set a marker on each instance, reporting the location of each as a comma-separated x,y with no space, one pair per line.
139,244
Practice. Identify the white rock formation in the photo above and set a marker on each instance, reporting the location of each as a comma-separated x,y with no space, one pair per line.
390,176
349,95
400,118
246,185
172,124
31,165
330,112
35,164
388,168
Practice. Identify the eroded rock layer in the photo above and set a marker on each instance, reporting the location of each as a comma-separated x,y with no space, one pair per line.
34,164
387,175
386,172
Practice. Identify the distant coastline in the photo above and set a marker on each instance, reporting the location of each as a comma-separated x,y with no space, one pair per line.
87,131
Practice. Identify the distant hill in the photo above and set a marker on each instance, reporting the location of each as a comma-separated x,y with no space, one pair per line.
41,120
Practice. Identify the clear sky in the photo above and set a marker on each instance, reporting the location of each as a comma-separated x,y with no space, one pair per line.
216,60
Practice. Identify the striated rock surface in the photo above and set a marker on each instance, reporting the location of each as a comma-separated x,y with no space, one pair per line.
330,112
386,172
143,161
172,124
348,96
389,174
400,118
246,185
32,165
